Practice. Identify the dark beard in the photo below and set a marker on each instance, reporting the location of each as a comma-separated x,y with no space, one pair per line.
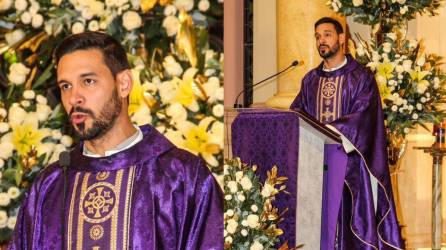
331,52
103,123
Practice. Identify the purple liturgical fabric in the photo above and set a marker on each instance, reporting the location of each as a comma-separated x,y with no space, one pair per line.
267,138
150,196
348,99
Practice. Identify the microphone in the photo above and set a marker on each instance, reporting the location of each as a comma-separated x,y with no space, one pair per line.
64,161
293,64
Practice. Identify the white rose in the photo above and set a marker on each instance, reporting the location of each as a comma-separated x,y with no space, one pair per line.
86,14
419,106
172,67
171,25
5,5
246,183
110,3
4,199
20,5
6,149
407,64
13,192
231,226
230,213
170,10
253,220
29,94
423,99
11,222
77,28
228,239
203,5
120,3
4,127
16,115
244,223
177,112
131,20
415,116
66,140
93,25
399,68
41,99
387,47
241,197
228,197
56,2
256,245
394,108
238,176
186,5
26,17
244,232
406,130
218,110
14,36
96,7
43,111
232,185
421,61
17,73
254,208
3,218
422,87
25,103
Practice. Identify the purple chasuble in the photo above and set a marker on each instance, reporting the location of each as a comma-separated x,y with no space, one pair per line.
348,99
150,196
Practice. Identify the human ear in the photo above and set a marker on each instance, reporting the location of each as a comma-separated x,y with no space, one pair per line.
124,83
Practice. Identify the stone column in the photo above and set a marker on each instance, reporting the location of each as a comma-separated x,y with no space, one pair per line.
295,41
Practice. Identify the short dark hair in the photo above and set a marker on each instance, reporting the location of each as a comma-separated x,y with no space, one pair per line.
114,55
337,25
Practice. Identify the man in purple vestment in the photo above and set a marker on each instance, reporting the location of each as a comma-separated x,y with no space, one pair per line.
343,94
126,187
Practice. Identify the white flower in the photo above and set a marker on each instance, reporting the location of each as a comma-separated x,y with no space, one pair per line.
238,176
254,208
25,103
171,25
96,7
422,87
20,5
2,164
186,5
5,5
4,199
177,112
26,17
335,7
77,28
6,149
11,222
203,5
230,213
401,1
4,127
17,73
43,111
56,134
241,197
407,64
253,220
387,47
228,240
13,192
46,148
244,232
131,20
406,130
86,14
423,99
228,197
268,190
246,183
37,21
421,61
415,116
218,110
394,108
93,25
244,223
413,43
399,69
419,106
172,67
3,113
16,115
3,218
29,94
14,36
410,107
232,185
66,140
231,226
41,99
56,2
170,10
360,50
256,245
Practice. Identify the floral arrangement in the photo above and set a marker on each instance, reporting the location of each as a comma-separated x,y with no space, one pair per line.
30,139
250,218
394,12
410,81
176,62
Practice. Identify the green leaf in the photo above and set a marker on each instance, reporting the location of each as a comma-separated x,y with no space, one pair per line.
44,76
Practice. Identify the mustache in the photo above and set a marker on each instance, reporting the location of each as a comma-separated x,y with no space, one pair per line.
323,45
81,110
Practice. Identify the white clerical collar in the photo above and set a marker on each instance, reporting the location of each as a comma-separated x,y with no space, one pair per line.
337,67
127,143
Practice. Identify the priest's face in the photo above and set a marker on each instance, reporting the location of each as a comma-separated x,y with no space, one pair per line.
89,93
328,41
